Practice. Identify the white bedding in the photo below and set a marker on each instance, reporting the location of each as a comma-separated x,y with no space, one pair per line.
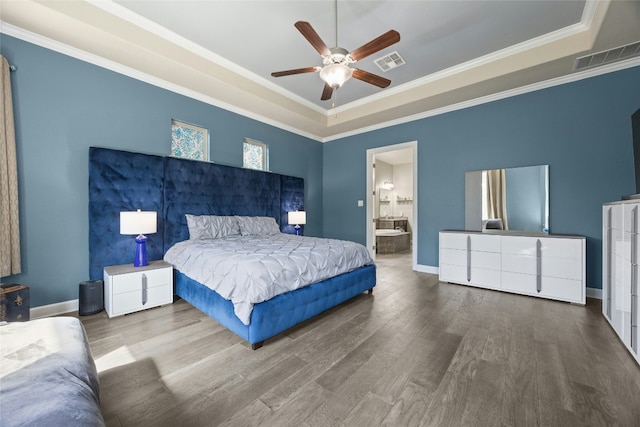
248,270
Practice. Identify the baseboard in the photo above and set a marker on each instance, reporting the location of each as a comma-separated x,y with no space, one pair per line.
53,309
426,269
594,293
72,305
591,292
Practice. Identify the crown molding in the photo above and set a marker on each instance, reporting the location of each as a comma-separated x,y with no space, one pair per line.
594,72
99,61
593,9
125,14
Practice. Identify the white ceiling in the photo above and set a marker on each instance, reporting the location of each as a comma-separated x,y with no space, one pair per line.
223,52
396,157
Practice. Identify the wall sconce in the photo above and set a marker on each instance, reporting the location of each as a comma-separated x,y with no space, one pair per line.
139,223
298,218
387,185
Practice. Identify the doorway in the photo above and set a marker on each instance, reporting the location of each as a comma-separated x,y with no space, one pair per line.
392,188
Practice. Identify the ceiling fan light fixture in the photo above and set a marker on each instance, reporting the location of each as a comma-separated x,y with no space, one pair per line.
336,74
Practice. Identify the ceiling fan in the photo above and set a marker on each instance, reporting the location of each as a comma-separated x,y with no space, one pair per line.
335,70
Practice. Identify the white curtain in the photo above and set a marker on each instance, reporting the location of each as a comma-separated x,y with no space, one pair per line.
9,222
497,196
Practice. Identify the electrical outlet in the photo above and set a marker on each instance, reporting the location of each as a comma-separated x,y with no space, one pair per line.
360,203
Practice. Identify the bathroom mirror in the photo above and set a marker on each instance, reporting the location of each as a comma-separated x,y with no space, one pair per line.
384,200
510,199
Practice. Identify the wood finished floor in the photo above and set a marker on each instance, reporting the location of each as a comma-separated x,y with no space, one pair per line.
415,353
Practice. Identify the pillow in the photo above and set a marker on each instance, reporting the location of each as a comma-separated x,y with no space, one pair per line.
211,226
258,225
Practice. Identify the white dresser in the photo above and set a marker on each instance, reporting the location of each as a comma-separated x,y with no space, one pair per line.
549,266
128,288
620,259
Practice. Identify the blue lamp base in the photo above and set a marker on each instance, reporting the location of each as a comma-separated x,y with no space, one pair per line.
297,227
141,252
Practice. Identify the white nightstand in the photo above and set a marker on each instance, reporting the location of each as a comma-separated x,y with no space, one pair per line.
128,288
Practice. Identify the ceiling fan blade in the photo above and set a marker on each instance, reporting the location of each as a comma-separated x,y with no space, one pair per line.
296,71
326,92
368,77
312,37
385,40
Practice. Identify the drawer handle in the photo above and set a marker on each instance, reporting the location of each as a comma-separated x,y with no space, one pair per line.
538,265
144,289
609,262
468,258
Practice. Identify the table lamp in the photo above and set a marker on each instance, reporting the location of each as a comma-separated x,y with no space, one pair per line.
139,223
297,218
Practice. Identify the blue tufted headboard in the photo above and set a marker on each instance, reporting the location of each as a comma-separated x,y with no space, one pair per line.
173,187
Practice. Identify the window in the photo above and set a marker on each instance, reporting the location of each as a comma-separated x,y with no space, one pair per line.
255,155
189,141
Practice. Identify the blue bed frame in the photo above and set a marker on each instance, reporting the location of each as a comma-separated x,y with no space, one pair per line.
121,180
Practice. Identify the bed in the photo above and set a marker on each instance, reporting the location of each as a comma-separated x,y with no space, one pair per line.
120,180
47,375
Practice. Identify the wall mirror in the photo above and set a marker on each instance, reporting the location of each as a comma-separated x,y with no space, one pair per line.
385,201
510,199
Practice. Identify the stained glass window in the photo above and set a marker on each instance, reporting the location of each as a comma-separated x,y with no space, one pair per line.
189,141
255,155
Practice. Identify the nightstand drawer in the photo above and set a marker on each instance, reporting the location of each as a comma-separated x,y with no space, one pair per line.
124,283
128,302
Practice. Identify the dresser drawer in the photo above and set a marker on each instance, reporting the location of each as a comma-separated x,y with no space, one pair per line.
550,287
562,248
485,243
516,263
453,257
519,245
519,283
562,289
485,260
480,277
567,268
484,278
453,241
453,273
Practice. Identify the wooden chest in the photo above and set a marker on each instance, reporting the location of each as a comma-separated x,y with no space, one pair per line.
14,302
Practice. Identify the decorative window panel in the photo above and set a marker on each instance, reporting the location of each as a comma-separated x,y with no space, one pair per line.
255,155
189,141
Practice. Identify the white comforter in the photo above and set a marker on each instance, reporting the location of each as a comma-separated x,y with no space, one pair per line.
251,269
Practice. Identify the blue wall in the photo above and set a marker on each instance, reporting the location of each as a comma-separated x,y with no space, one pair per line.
582,130
63,106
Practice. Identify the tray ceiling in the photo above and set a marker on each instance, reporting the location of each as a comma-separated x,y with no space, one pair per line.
223,52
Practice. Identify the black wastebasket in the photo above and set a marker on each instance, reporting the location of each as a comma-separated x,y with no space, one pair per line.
91,300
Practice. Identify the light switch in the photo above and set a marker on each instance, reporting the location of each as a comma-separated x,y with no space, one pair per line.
360,203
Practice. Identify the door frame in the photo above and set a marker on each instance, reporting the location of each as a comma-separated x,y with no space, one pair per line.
371,153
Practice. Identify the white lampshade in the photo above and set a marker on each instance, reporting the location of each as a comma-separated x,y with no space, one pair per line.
297,218
138,222
336,74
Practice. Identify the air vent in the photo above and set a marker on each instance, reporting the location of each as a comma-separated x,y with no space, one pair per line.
608,56
390,61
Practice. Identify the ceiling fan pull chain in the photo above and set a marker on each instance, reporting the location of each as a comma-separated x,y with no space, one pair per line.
336,10
333,104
